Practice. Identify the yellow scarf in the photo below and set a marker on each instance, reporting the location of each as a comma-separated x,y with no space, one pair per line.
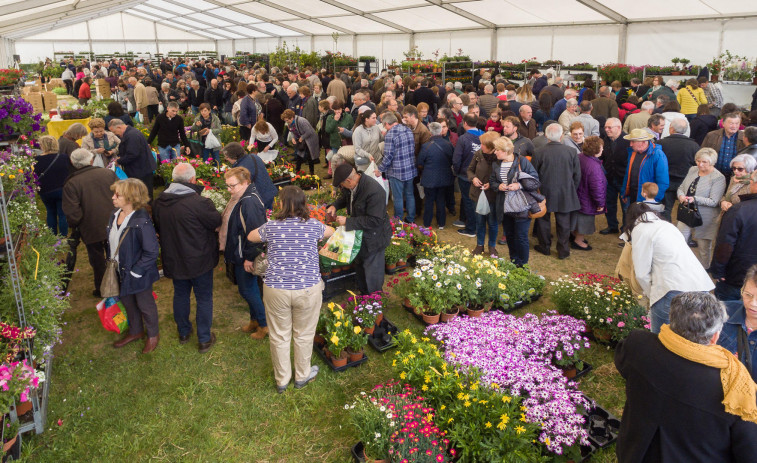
739,390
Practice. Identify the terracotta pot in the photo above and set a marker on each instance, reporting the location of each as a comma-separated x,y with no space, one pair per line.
370,330
340,361
406,303
418,310
318,339
401,263
602,335
391,266
431,319
355,356
379,319
569,372
475,312
23,408
7,445
447,316
714,77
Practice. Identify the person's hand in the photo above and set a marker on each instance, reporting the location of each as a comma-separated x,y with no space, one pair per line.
477,183
341,220
204,131
266,148
600,209
187,150
690,199
100,150
377,173
198,123
331,210
249,266
249,126
485,186
337,117
371,159
502,187
300,140
341,129
215,108
682,199
513,186
490,129
725,205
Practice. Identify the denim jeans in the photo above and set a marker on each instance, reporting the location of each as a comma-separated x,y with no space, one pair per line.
210,153
484,222
614,191
516,232
402,194
435,197
726,292
661,311
169,152
466,205
203,288
56,219
250,292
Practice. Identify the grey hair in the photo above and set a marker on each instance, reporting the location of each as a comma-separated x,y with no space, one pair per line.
571,102
183,172
604,90
172,104
81,158
165,85
570,93
697,316
751,275
458,85
707,153
293,87
647,106
614,121
388,118
195,82
749,162
115,123
671,83
489,88
435,128
76,131
553,132
679,125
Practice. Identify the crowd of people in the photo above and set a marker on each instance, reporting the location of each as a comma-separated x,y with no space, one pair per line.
515,154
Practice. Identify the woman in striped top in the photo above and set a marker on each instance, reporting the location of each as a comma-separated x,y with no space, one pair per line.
293,285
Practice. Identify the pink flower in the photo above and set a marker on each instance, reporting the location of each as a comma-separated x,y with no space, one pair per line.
621,324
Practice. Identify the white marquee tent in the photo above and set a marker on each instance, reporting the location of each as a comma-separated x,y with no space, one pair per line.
595,31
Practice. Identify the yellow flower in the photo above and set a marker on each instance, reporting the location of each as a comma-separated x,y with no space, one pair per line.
501,426
11,176
394,362
420,351
488,424
460,395
413,340
335,340
425,339
546,441
338,324
331,306
504,418
356,330
523,417
424,388
521,430
405,360
412,356
442,407
506,399
450,420
429,417
403,375
467,404
474,386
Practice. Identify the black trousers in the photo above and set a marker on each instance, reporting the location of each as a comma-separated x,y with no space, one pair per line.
245,133
310,162
96,254
544,232
142,312
148,181
370,271
671,196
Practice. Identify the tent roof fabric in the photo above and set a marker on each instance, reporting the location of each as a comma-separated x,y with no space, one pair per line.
264,18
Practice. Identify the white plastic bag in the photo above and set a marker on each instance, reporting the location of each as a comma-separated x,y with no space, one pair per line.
268,156
482,206
371,172
138,118
211,142
129,106
160,108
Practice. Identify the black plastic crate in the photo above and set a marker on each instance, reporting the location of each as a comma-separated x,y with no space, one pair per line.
382,337
320,349
339,283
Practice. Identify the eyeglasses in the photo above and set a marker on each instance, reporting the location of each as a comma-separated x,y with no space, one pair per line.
739,169
231,187
748,296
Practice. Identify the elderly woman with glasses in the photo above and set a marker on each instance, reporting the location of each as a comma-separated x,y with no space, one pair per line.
703,187
742,166
740,331
247,215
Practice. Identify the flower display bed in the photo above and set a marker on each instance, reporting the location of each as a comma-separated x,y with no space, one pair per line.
382,337
320,349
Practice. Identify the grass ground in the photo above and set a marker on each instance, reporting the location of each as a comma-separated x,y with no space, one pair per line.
177,405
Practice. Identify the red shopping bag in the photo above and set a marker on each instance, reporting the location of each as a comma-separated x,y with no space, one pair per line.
113,315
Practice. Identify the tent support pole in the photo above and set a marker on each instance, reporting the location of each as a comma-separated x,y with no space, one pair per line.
493,56
622,43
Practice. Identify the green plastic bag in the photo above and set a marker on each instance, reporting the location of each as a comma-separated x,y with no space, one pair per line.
341,248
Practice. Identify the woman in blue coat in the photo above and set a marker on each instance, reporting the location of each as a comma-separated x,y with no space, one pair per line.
132,242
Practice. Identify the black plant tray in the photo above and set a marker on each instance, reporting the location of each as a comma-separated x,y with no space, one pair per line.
518,305
603,426
586,369
396,269
321,350
382,339
339,283
358,451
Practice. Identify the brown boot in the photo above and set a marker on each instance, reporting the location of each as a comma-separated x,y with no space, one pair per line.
493,251
251,327
477,250
129,338
261,333
151,344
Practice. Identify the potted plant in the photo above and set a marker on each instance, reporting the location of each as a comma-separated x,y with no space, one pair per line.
338,329
394,253
19,120
368,311
355,342
675,61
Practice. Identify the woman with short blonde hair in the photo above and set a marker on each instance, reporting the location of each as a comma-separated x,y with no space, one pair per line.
102,143
132,242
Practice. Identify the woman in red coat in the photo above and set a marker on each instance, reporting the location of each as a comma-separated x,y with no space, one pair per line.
84,91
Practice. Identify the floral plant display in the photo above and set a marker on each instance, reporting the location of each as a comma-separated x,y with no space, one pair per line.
9,77
280,171
337,328
517,355
306,182
398,250
208,171
17,379
368,309
483,422
75,113
396,424
219,197
604,302
11,338
17,118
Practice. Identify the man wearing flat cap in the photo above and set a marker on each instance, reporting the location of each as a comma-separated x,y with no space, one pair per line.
365,200
646,163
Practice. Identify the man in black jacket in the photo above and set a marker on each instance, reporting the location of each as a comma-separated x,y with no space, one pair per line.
615,161
134,153
680,151
674,410
736,246
169,128
186,224
214,97
423,94
365,200
196,96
